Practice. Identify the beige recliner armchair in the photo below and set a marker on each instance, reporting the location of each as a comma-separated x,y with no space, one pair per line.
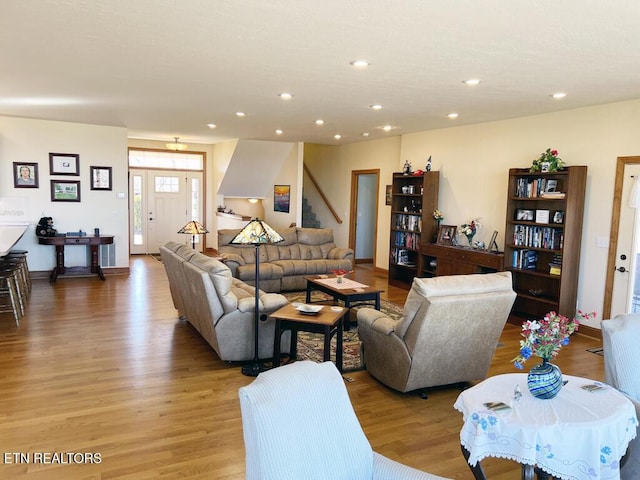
447,334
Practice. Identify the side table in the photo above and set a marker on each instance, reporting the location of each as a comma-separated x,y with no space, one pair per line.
327,321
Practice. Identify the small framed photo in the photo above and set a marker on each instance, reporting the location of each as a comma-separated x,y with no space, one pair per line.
388,195
492,246
446,234
64,164
542,216
25,175
551,185
65,190
100,178
524,215
558,216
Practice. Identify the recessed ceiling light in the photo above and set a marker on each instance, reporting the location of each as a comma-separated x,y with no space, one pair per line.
453,115
359,63
279,132
319,122
241,114
211,125
471,82
387,128
337,136
559,95
286,96
376,106
365,134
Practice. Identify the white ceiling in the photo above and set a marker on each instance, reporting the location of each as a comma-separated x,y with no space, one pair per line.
165,68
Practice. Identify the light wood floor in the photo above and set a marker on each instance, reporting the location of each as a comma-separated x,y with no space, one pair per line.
107,368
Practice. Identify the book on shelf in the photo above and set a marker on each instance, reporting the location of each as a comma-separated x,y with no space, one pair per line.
525,259
555,265
557,195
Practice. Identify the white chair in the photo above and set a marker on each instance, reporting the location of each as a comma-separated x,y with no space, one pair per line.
620,337
298,423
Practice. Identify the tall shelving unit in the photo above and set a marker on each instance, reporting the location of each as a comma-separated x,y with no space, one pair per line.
543,236
413,200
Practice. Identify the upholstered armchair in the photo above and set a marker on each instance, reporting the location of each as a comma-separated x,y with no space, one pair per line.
620,338
448,332
298,423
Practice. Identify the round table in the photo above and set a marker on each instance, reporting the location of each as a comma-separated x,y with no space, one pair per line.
576,435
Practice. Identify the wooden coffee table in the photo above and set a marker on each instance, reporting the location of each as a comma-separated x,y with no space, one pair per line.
327,321
355,296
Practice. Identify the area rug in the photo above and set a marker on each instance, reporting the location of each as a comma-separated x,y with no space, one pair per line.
311,345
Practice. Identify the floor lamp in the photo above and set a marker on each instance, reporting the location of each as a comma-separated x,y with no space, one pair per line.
256,233
193,228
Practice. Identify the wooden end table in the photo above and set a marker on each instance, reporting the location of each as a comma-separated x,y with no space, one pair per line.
327,321
350,292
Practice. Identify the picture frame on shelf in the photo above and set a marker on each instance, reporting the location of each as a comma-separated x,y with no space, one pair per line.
551,185
64,164
492,246
65,190
542,216
446,235
558,216
25,175
101,178
524,215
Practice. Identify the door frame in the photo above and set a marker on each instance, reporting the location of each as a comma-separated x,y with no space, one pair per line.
622,162
353,210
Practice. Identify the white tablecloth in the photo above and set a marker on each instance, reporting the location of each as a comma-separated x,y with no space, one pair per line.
346,284
576,435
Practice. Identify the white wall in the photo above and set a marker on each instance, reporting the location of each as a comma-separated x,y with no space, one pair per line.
27,140
474,161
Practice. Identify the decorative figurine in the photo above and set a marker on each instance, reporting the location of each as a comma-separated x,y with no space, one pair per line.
407,168
428,167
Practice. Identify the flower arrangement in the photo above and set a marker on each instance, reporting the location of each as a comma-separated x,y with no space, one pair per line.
547,162
341,273
469,229
544,338
438,216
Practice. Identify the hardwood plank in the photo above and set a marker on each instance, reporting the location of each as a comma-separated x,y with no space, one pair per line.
108,368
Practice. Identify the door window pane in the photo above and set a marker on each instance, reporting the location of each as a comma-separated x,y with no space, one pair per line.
136,191
167,184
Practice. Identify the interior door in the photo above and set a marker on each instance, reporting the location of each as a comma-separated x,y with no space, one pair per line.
626,287
364,210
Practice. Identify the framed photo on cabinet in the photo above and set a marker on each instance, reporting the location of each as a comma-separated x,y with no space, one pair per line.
446,234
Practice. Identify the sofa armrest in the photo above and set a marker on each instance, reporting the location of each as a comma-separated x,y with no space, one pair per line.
233,261
268,303
386,469
338,253
376,320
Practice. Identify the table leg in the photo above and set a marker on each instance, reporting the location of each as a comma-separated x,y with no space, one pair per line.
277,338
478,472
327,344
339,343
309,289
293,349
527,472
377,301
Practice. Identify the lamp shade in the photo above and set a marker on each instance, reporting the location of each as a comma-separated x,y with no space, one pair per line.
256,232
193,228
177,146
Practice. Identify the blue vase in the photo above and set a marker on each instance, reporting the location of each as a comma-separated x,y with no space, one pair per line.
544,380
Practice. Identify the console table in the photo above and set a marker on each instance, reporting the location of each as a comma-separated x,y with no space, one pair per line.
91,242
437,260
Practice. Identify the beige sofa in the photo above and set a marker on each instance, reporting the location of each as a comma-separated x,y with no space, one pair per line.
447,334
304,251
219,306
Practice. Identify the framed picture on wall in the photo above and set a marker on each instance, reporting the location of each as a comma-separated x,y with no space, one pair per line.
100,178
25,175
281,198
64,164
65,190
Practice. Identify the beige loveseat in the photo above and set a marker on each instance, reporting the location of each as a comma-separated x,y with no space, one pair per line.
447,334
304,251
219,306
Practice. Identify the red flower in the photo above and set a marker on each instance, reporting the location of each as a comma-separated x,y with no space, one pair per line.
341,272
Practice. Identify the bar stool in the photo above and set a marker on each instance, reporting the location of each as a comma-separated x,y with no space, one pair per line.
20,256
9,289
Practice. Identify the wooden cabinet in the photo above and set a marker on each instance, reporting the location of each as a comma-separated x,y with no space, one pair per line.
438,260
413,200
543,236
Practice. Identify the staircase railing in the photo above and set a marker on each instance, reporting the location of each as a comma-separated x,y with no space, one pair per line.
322,195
